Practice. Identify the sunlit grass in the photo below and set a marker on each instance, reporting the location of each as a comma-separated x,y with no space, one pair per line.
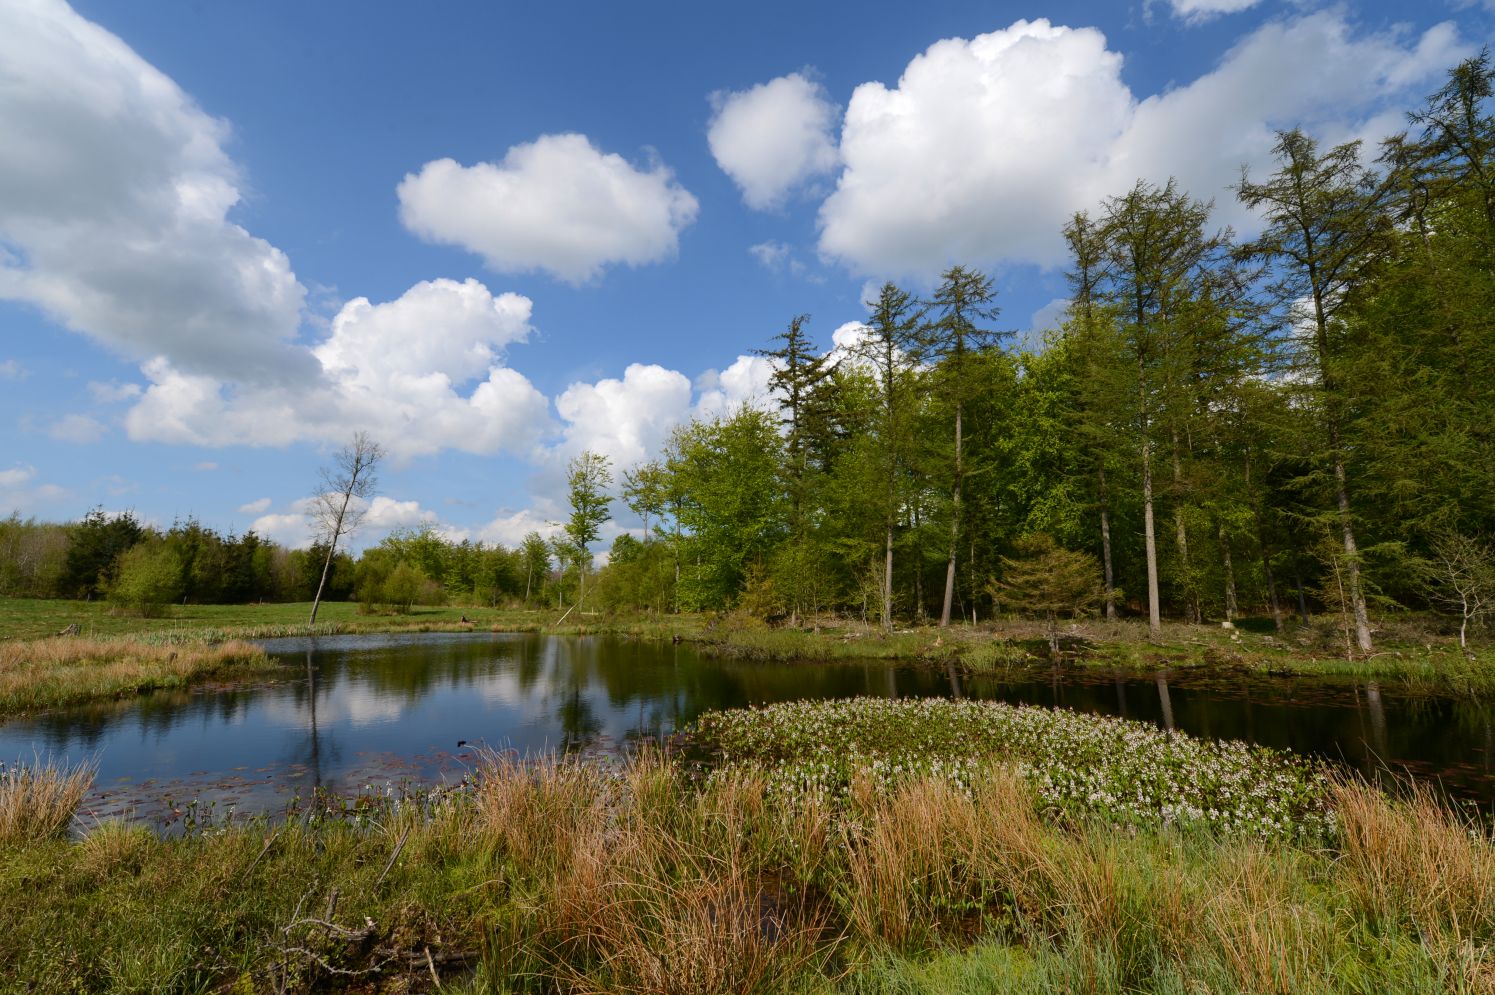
48,673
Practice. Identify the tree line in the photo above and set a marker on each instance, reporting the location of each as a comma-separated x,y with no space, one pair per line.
1295,422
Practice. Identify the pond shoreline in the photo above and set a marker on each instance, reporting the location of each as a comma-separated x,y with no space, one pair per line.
1425,666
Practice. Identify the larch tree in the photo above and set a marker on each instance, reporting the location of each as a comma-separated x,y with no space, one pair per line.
962,305
888,349
1325,228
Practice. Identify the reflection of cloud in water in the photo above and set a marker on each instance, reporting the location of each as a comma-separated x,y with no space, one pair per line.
502,689
351,705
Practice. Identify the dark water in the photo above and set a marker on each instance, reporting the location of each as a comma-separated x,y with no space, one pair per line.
371,713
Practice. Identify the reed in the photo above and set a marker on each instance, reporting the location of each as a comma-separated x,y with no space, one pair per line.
39,800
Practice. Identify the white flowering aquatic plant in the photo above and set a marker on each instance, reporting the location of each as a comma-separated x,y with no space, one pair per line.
1083,765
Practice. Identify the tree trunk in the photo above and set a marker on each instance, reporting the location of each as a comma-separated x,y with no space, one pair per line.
1261,543
954,528
1191,597
1231,609
1351,553
887,580
1150,541
337,531
1105,547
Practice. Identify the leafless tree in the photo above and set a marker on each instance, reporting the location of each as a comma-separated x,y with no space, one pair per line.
342,500
1461,577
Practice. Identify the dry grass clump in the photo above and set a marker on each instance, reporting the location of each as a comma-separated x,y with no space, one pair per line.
1411,863
38,800
629,882
47,673
929,863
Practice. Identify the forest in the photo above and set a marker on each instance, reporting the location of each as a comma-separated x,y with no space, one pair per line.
1290,424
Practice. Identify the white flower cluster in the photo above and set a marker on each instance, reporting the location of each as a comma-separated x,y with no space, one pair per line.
1078,764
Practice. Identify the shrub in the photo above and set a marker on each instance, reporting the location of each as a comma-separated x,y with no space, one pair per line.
148,579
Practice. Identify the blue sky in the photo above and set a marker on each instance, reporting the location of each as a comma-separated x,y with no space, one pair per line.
493,235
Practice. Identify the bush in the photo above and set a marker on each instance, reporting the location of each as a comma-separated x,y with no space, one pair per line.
404,587
148,578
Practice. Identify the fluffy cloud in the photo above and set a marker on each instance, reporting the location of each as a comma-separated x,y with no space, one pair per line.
556,204
114,199
403,370
1044,125
256,507
770,255
773,137
628,419
745,381
510,528
381,515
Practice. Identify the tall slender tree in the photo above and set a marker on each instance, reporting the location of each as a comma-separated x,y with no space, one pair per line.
588,476
889,347
962,305
1325,229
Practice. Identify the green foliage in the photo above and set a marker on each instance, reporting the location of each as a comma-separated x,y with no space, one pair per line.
147,579
1046,580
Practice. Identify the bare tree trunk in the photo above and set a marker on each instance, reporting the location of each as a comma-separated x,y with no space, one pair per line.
1351,553
1105,546
954,528
1149,532
918,569
337,531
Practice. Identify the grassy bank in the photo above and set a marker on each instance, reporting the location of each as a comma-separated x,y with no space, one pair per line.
48,673
557,877
1412,649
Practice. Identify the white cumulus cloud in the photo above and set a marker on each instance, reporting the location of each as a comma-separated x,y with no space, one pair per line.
115,192
256,507
773,137
381,515
557,204
421,373
986,145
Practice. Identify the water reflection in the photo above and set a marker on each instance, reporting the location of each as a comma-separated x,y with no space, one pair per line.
349,712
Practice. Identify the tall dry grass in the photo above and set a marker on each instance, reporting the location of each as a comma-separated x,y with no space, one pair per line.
631,882
47,673
38,800
1412,863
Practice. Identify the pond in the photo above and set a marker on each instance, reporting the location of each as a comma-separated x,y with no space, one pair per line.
358,714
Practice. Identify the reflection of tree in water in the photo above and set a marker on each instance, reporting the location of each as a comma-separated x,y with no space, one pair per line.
579,723
89,724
